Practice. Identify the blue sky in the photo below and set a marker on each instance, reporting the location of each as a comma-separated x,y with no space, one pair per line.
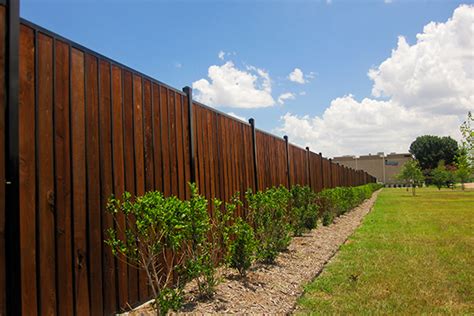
177,41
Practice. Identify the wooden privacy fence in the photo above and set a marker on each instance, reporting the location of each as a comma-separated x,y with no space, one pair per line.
76,127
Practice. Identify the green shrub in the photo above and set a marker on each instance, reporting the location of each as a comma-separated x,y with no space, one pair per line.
270,217
327,218
337,201
157,234
242,246
304,210
200,264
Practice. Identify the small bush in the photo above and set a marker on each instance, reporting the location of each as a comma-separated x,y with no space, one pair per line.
327,218
242,247
304,210
155,239
270,217
337,201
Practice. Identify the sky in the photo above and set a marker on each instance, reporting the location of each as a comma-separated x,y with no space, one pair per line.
342,77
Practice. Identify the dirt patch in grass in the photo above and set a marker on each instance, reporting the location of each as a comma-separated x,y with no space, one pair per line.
274,289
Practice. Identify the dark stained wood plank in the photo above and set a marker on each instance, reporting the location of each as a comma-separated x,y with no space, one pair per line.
129,167
63,180
147,117
93,184
45,156
29,299
221,163
205,153
79,203
106,184
215,154
222,159
139,162
179,147
199,150
187,145
119,177
165,140
156,127
172,142
3,289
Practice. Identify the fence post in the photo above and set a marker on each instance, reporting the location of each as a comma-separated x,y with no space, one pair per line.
287,145
12,176
192,152
322,170
308,165
254,150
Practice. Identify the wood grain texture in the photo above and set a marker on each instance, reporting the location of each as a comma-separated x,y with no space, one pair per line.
79,189
62,156
106,185
45,163
93,184
27,126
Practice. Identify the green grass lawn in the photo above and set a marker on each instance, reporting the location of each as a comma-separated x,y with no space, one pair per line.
411,255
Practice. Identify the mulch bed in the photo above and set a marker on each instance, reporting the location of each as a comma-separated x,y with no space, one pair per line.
274,289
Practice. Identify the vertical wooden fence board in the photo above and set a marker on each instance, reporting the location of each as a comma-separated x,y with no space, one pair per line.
157,148
148,128
29,299
215,145
208,157
179,147
223,159
119,174
93,184
165,140
129,160
106,183
199,150
3,289
187,151
232,145
81,281
139,162
172,142
45,175
63,180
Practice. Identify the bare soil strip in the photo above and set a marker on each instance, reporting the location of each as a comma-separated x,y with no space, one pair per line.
274,289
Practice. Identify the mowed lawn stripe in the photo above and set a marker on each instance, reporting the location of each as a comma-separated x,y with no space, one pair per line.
411,255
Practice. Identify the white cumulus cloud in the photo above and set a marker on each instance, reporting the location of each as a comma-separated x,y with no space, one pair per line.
233,87
285,96
297,76
428,87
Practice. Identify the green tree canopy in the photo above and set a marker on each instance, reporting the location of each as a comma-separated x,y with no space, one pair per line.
464,169
411,173
440,175
467,131
430,150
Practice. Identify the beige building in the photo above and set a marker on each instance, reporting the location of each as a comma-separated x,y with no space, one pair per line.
383,167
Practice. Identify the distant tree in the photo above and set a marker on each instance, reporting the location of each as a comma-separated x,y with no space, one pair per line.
429,150
467,131
464,169
439,175
451,176
411,173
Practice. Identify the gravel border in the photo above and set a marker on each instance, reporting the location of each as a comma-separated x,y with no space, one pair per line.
274,289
